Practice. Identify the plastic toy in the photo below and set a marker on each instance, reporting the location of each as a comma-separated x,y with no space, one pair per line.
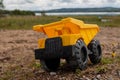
68,39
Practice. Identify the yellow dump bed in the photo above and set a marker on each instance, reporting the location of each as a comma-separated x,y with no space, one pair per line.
69,29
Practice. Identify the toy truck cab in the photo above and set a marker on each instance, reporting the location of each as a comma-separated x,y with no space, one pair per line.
70,39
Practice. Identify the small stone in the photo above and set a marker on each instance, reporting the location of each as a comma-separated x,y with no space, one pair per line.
84,76
118,73
87,78
52,73
98,76
80,79
62,78
37,73
110,78
94,79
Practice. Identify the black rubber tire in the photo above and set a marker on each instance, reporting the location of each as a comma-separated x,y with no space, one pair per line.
80,56
96,51
50,64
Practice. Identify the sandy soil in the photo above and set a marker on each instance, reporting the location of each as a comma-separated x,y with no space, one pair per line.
17,58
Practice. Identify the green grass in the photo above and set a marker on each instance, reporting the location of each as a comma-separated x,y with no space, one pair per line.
101,69
110,60
26,22
36,65
107,61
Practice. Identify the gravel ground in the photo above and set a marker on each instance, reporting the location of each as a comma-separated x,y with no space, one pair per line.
17,58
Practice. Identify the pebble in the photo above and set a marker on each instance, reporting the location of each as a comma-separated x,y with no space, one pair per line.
62,78
94,79
52,73
80,79
118,72
37,73
110,78
98,76
86,78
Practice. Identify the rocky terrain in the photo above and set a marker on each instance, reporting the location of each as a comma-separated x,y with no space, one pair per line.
17,60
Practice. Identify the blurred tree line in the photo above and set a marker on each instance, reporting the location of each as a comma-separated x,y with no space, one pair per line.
14,12
1,4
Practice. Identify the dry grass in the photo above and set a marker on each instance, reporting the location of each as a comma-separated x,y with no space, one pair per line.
26,22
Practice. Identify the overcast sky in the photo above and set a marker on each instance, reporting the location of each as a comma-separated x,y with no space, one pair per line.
55,4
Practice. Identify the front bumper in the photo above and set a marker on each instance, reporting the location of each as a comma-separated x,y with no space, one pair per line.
53,49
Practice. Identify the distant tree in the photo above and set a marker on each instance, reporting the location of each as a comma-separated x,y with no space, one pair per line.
20,12
1,8
1,4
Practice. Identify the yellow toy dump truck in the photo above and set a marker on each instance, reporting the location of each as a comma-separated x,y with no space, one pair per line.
69,39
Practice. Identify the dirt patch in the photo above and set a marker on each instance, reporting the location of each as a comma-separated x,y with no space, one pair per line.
17,57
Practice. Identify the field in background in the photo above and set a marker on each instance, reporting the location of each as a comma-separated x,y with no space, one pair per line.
17,61
26,22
